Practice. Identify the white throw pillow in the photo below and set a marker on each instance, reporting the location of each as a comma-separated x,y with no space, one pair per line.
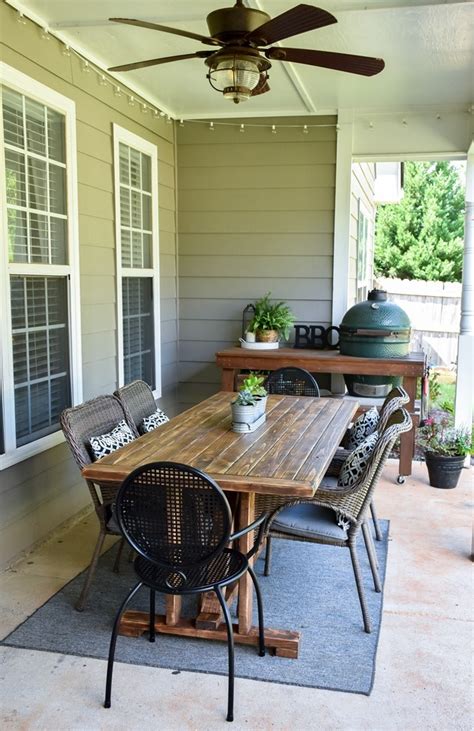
364,425
356,463
105,444
150,423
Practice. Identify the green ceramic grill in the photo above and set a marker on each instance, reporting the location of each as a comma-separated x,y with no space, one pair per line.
375,328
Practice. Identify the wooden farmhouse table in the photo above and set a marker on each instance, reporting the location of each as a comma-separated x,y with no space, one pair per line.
287,456
410,368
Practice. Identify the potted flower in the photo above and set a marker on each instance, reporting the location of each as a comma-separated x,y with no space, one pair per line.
271,321
445,447
250,403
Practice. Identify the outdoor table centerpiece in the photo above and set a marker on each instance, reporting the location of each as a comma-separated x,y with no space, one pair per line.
248,408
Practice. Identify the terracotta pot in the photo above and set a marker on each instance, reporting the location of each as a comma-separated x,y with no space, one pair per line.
443,471
267,336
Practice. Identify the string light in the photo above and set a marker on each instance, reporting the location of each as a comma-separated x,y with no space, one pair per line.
117,90
144,108
86,68
131,101
181,123
66,51
405,123
242,128
45,35
371,125
305,129
102,80
274,129
169,120
20,18
211,126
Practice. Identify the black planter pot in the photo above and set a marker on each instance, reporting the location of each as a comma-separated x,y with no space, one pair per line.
443,471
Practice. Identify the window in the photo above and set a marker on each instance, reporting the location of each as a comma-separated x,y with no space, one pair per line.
40,327
364,249
138,296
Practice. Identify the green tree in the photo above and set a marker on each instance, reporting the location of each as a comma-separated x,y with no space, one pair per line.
422,236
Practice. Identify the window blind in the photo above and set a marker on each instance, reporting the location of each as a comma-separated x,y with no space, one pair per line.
138,350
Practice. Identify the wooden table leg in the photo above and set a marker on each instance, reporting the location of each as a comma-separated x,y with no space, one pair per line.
173,609
407,440
228,379
246,516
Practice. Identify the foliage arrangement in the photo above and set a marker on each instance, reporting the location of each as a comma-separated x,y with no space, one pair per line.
422,236
268,316
251,389
441,437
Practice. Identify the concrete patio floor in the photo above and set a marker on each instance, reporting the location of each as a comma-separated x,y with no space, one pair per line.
424,657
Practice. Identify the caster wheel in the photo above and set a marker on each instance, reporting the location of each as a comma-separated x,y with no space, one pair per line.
401,479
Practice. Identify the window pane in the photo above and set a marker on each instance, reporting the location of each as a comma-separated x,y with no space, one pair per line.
37,184
136,209
35,127
16,181
138,344
124,206
57,189
135,172
124,164
56,136
39,238
17,236
146,212
58,240
137,250
12,103
126,248
146,172
147,257
40,354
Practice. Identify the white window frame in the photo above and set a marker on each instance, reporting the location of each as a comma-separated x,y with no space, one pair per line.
122,135
362,210
33,89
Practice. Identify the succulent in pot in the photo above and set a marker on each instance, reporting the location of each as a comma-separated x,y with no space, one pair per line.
445,447
271,321
250,403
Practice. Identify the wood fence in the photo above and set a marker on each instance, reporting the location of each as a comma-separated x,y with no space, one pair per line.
434,309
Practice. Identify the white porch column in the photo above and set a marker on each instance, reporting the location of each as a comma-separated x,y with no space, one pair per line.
464,403
342,220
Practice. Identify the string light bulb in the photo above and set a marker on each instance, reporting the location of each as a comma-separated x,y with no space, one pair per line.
66,51
131,101
305,129
211,126
45,35
86,68
20,18
274,129
242,128
102,80
117,91
181,123
169,120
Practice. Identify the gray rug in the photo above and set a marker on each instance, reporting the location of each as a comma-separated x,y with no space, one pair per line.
311,590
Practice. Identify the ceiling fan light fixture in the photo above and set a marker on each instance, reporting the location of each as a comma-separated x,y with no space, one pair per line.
235,77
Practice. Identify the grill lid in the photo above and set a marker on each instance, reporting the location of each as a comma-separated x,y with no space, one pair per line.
375,314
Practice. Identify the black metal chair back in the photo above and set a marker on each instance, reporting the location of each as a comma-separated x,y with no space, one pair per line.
292,381
173,515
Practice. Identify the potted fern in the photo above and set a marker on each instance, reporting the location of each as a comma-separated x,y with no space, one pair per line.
249,406
271,321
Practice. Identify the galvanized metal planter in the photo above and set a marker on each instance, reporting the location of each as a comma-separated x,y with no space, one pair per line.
249,418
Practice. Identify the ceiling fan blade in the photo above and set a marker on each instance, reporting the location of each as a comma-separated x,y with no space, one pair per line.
262,86
363,65
158,61
297,20
167,29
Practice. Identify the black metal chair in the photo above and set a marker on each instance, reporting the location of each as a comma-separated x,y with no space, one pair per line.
292,381
79,423
179,521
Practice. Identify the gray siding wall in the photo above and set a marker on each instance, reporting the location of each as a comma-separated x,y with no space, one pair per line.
38,494
255,214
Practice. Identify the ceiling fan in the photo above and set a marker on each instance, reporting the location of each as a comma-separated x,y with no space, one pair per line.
239,68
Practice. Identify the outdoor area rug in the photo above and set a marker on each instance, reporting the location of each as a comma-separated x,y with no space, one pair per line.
311,589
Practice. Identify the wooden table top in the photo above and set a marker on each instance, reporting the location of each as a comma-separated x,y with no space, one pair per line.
320,361
287,455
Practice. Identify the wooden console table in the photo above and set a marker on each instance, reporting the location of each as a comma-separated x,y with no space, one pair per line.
410,368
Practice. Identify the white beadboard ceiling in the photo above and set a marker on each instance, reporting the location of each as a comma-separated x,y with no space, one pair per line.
428,49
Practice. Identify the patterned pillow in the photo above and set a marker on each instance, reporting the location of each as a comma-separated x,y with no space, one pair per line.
151,422
354,466
364,425
105,444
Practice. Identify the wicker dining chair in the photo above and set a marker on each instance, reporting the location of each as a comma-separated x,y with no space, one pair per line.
79,423
178,521
336,518
137,400
290,381
394,400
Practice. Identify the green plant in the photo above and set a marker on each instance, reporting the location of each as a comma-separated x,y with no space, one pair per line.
245,398
441,437
268,316
254,384
447,406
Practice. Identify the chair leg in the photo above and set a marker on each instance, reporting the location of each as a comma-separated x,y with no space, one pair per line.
152,615
360,588
268,557
90,573
371,554
372,544
118,556
377,531
261,625
230,647
113,642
